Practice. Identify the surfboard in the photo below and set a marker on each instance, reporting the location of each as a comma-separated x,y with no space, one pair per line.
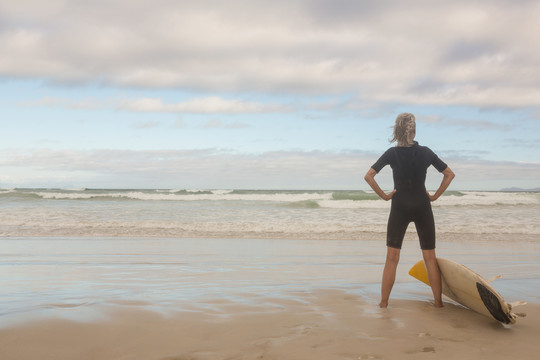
469,289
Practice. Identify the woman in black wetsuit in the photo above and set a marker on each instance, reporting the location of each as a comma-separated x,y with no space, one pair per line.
410,202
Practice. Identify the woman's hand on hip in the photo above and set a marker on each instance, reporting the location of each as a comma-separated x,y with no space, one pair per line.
389,196
431,197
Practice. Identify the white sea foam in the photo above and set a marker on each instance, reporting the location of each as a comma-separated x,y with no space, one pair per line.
327,199
354,204
188,195
470,198
233,213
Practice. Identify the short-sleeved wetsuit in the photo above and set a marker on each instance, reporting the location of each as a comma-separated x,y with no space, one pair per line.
410,203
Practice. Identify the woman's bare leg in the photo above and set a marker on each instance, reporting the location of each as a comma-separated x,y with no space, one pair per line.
434,275
389,275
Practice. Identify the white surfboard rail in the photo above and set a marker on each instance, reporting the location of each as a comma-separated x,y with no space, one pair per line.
469,289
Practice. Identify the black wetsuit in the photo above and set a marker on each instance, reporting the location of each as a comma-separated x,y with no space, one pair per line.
410,203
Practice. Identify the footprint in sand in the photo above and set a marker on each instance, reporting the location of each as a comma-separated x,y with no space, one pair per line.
427,349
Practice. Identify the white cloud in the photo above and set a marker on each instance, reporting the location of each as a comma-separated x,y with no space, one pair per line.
481,53
80,104
466,123
210,168
218,168
217,124
208,105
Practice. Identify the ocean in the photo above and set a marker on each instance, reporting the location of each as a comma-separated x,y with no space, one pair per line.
71,253
274,214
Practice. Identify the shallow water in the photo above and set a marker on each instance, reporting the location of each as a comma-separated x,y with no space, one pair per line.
71,275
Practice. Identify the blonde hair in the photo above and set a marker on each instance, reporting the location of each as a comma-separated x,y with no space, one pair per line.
404,130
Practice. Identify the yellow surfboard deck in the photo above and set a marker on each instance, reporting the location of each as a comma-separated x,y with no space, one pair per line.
469,289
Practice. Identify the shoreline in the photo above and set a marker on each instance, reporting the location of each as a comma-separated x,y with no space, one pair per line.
207,299
410,236
323,324
161,270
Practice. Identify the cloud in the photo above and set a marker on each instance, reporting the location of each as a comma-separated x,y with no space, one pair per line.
523,143
81,104
481,53
216,124
208,168
466,123
479,95
221,168
430,119
208,105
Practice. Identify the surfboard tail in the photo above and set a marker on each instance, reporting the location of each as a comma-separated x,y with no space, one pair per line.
493,304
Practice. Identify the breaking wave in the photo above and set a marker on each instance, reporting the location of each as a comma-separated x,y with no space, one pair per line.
308,199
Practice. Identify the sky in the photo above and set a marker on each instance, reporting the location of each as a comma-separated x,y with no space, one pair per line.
248,94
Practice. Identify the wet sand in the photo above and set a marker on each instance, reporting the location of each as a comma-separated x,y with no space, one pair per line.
325,324
187,299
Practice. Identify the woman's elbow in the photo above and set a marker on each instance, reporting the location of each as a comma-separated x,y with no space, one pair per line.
370,175
449,173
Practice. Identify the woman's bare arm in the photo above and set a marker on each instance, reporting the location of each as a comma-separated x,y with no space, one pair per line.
370,179
448,176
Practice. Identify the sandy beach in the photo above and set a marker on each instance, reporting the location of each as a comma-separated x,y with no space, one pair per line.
179,299
318,325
